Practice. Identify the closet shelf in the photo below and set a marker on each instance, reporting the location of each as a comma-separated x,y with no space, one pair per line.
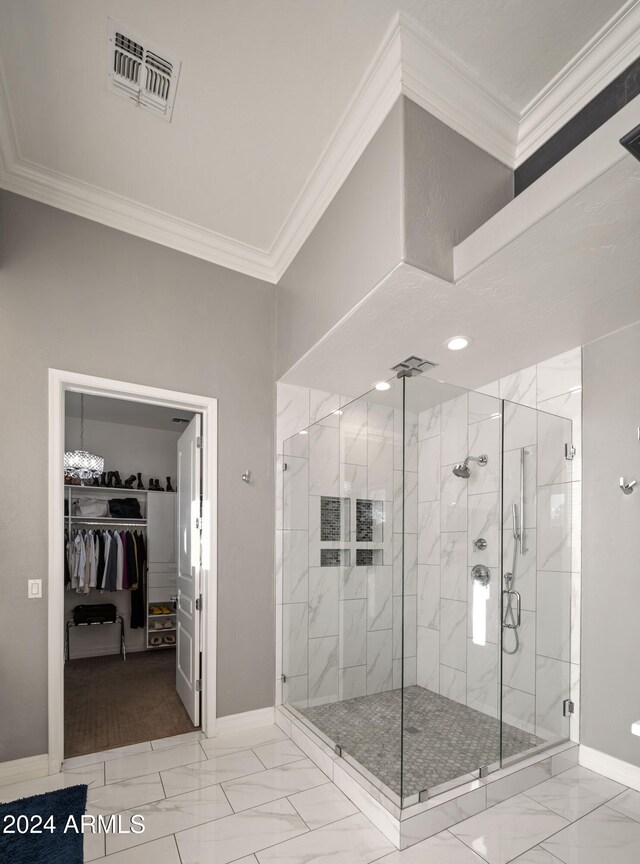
104,520
116,491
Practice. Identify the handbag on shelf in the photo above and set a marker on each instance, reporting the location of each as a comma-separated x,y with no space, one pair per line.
125,508
89,507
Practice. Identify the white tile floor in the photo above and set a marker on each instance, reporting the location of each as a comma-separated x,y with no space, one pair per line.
253,797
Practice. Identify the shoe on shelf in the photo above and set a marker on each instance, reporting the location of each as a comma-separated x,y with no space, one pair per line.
168,624
156,610
169,486
169,639
140,483
155,640
166,610
128,483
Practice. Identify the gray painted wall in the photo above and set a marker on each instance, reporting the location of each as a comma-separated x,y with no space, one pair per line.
78,296
451,188
417,190
610,691
357,241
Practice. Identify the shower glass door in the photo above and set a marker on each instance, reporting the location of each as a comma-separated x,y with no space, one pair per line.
451,716
536,577
342,582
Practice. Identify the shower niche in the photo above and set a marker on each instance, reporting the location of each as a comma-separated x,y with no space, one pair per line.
420,674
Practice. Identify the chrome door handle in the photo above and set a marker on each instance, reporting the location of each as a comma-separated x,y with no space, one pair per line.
516,594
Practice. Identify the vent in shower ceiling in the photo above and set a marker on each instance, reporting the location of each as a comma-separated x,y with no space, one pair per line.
141,72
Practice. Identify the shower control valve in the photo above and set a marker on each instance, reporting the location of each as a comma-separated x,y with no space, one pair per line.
480,544
481,574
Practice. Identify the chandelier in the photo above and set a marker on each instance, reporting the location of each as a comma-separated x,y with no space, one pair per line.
78,464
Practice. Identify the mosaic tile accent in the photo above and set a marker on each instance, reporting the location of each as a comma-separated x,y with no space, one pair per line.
335,557
364,521
364,557
443,739
334,518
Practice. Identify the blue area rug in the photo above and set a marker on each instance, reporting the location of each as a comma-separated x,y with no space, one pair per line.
51,813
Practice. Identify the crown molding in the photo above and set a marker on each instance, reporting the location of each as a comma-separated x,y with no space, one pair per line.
603,58
408,62
27,178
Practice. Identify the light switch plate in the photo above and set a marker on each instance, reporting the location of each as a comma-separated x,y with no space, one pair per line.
34,589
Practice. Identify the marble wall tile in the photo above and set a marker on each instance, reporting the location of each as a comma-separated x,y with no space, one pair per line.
380,420
484,522
520,387
410,623
278,476
323,670
429,533
324,460
576,526
379,593
574,690
520,426
428,659
560,374
554,527
576,601
352,682
492,606
429,469
323,601
428,608
408,451
353,483
553,620
453,566
409,501
569,405
453,684
410,563
484,438
429,422
379,661
292,408
553,433
295,635
454,426
380,465
353,583
553,682
353,433
409,665
519,709
353,633
453,501
295,567
519,669
324,408
483,665
453,634
483,406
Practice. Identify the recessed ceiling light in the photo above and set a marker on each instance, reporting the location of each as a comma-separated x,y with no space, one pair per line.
303,432
383,385
457,343
338,412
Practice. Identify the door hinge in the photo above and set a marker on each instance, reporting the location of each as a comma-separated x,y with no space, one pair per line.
283,678
567,707
199,603
199,441
198,522
284,466
569,452
199,685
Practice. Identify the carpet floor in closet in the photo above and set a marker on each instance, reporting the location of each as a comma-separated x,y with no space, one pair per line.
110,703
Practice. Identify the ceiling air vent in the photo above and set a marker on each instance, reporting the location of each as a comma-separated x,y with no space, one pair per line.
141,72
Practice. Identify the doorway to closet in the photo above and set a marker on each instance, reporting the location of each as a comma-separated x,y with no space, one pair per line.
132,595
128,536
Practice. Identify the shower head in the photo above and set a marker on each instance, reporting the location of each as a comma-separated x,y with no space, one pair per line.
463,470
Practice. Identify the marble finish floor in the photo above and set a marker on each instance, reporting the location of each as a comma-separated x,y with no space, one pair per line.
252,797
443,739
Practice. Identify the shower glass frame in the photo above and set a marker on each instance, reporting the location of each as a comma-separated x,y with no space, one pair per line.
355,591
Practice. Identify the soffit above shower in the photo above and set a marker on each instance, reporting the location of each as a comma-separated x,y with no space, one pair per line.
567,280
276,103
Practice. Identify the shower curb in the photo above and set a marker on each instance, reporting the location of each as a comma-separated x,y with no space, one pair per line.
408,825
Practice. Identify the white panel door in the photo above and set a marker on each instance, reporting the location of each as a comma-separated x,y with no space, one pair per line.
189,569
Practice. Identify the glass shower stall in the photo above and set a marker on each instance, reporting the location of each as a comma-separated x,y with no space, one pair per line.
426,577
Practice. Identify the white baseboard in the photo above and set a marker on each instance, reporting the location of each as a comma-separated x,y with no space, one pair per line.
610,766
29,768
245,720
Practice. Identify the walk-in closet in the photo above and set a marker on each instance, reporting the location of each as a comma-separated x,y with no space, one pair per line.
121,525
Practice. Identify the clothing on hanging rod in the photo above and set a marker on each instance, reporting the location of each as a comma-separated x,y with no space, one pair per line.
107,561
